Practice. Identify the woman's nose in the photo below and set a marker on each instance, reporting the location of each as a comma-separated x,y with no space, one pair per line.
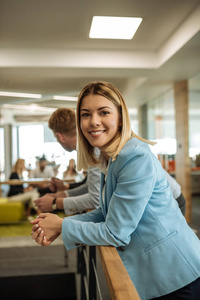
95,120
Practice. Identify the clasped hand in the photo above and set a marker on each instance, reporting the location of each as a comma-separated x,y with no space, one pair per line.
46,228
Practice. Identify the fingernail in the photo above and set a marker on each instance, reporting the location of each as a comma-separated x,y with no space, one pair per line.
39,229
36,225
42,231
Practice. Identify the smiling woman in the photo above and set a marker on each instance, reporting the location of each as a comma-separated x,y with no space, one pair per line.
138,213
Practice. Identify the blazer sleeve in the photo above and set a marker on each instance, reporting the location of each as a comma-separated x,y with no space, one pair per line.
133,179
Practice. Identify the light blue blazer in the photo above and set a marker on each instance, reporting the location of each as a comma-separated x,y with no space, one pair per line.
140,216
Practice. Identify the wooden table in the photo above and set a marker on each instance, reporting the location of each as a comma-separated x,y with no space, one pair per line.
31,181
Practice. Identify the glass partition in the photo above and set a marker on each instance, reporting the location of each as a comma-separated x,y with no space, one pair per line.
194,118
38,140
161,129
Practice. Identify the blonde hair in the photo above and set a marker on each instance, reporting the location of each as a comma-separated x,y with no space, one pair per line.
17,166
86,153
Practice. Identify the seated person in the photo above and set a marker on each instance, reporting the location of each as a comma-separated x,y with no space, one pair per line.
42,170
71,172
17,193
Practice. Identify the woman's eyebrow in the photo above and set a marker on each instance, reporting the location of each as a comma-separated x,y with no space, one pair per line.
84,109
103,107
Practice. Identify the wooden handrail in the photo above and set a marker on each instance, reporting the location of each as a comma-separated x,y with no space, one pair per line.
119,283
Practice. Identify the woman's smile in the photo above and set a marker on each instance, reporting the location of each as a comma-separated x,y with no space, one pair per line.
97,133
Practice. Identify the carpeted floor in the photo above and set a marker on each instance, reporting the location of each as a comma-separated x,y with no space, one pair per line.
13,230
22,228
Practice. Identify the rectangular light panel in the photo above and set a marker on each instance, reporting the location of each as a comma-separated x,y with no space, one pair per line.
114,27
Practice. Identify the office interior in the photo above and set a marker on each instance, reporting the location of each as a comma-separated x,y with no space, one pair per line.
46,53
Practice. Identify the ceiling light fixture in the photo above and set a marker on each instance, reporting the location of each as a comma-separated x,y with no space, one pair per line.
20,95
29,107
114,27
65,98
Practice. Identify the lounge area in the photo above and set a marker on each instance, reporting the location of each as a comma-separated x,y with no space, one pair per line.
99,114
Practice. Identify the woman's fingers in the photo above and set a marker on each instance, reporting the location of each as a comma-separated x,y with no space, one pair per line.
46,228
35,227
40,238
46,242
34,221
41,216
35,233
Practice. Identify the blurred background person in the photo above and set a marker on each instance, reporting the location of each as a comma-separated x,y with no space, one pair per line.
71,172
42,170
17,193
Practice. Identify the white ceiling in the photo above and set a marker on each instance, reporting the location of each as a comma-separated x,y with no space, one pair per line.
45,48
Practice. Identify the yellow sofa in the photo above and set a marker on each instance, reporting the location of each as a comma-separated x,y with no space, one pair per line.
11,212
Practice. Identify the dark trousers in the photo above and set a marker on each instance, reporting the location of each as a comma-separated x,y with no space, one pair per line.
188,292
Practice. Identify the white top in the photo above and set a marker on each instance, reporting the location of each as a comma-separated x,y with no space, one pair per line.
174,185
47,173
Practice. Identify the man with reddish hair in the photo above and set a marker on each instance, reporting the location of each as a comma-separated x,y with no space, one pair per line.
86,196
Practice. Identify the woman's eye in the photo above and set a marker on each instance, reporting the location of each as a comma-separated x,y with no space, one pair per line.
104,113
85,115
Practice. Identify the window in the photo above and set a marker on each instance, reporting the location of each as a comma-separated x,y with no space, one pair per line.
38,140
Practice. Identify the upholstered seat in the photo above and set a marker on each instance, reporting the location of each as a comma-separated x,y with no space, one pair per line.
11,212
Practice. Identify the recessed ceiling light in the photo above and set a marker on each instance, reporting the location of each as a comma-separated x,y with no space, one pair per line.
65,98
20,95
114,27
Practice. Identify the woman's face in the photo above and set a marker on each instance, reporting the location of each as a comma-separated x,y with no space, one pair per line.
71,163
22,165
99,120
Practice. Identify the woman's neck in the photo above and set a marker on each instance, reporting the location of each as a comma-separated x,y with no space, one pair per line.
107,157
